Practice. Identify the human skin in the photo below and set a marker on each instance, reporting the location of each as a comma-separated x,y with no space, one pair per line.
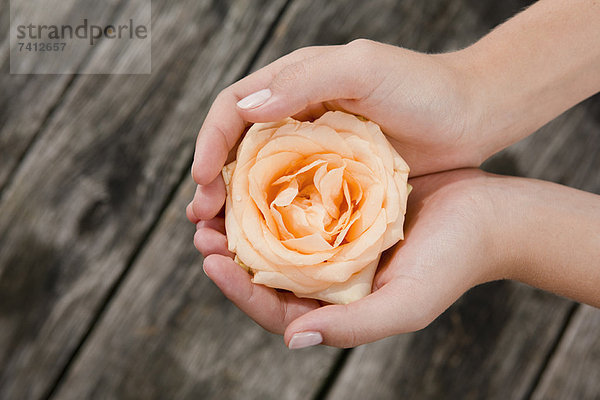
463,228
441,112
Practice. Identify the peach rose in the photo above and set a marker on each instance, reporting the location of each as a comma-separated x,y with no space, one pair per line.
311,206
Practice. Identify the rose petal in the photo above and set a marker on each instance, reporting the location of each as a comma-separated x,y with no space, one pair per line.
395,231
284,233
287,195
355,248
342,235
370,207
259,177
269,245
310,206
327,138
308,167
254,140
354,288
330,188
308,244
295,143
280,280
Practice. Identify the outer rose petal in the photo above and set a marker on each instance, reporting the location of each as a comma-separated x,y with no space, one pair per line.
339,163
356,287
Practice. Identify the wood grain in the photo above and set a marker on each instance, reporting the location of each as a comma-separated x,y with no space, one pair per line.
82,262
95,181
170,334
574,370
494,342
26,101
424,26
488,345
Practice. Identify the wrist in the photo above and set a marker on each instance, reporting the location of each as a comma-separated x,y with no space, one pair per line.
550,236
502,243
492,100
530,69
474,110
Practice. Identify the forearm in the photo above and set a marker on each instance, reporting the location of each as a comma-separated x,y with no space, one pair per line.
532,68
552,237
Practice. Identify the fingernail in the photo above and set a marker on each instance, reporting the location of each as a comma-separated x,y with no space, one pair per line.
254,100
305,339
204,269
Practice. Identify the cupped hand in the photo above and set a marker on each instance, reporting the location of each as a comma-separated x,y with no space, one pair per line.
423,103
452,243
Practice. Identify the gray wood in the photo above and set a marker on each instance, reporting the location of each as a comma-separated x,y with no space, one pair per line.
494,342
574,370
426,26
566,151
27,100
104,166
489,345
171,334
94,182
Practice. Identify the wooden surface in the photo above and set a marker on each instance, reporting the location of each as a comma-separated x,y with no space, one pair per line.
573,372
102,294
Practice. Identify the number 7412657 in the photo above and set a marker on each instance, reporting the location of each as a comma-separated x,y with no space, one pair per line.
41,46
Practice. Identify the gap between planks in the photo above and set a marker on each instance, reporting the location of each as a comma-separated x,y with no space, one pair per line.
145,238
552,351
336,369
50,113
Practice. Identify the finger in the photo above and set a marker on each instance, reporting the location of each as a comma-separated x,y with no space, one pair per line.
224,124
311,112
189,213
331,75
217,223
385,312
270,309
209,241
209,199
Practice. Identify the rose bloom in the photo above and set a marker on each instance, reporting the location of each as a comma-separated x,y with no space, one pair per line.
311,206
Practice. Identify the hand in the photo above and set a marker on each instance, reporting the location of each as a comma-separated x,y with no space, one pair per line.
450,246
421,102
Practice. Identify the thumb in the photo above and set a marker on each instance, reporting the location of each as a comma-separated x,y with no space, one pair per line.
391,310
340,73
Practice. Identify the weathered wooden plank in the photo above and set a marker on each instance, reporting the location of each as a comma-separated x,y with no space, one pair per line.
97,373
494,341
26,100
92,185
492,336
425,26
565,151
574,370
171,334
489,345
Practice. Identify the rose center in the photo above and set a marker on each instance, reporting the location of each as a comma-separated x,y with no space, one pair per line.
315,200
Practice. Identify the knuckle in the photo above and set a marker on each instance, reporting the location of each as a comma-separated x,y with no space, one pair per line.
290,74
298,53
352,339
222,96
424,319
284,315
361,46
420,323
198,175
